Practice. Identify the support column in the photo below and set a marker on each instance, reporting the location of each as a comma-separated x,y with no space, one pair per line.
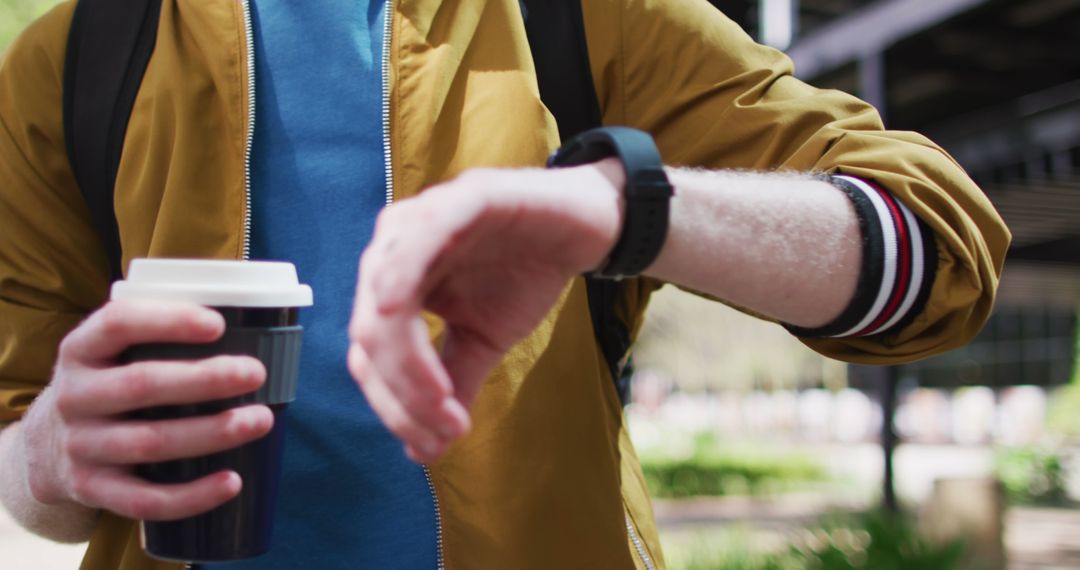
872,80
889,440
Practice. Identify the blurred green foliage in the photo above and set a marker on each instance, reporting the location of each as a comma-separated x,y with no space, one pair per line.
1076,360
870,541
1032,475
712,470
880,541
728,548
1063,417
16,14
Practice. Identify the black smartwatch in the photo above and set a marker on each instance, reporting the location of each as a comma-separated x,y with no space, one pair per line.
647,193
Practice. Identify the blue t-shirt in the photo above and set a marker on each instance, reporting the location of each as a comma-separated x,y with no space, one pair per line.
349,497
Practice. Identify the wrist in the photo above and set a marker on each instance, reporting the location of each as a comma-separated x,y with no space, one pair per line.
62,519
644,187
34,453
606,182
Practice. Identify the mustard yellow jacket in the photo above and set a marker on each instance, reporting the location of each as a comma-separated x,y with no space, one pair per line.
548,478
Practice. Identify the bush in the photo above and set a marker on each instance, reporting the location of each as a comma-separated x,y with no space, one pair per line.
870,541
712,471
725,549
1063,417
1032,476
877,541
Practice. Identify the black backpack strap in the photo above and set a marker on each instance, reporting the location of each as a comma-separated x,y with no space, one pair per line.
556,31
108,48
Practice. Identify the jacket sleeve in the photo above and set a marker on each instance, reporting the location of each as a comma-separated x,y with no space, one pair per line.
51,263
714,98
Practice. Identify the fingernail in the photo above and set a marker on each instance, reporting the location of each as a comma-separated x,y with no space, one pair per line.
430,448
250,370
208,320
241,423
242,371
459,421
449,431
233,482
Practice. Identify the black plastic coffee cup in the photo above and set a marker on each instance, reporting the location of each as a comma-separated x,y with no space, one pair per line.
260,302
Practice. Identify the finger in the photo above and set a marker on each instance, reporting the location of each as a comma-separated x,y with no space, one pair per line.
468,359
392,414
400,350
364,313
118,325
404,259
419,456
153,383
399,258
129,442
125,494
403,357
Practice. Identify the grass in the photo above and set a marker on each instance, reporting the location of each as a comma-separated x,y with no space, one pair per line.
707,468
868,541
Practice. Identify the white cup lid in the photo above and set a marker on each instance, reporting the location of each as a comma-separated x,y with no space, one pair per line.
215,283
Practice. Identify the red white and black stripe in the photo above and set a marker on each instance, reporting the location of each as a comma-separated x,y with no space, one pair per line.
898,268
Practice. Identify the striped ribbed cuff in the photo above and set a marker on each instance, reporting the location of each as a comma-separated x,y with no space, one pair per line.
899,262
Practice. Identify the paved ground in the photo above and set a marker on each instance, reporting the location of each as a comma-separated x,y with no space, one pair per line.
1035,538
1043,539
24,551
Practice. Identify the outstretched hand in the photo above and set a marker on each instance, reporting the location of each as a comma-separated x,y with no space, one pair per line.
489,252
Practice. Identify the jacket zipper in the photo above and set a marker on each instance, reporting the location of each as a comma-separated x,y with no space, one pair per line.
388,19
249,37
389,166
639,546
439,563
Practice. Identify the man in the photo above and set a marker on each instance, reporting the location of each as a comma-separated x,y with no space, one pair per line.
470,336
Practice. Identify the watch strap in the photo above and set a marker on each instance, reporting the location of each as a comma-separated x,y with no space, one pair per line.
647,194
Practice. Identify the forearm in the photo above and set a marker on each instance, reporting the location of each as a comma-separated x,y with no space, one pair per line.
62,522
783,245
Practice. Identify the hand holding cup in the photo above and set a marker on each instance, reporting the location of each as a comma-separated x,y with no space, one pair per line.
82,447
168,405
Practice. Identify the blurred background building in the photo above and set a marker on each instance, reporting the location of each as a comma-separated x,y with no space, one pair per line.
997,84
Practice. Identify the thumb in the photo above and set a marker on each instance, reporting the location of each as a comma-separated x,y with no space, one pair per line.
468,358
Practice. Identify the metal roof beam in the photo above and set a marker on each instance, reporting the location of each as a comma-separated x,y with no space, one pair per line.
870,30
1035,124
1062,251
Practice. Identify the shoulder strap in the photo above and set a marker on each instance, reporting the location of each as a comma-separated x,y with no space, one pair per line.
556,32
108,48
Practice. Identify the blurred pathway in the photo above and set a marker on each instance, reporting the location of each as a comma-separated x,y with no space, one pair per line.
24,551
1043,539
1035,538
